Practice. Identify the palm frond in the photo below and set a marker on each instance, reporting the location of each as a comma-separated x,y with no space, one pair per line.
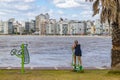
109,9
95,7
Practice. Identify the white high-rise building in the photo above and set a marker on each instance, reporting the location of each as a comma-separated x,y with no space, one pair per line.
98,27
62,27
76,27
6,27
1,27
41,23
51,28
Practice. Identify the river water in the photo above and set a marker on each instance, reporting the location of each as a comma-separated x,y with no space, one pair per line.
55,51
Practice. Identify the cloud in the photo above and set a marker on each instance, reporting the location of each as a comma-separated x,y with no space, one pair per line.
2,13
81,4
7,0
66,3
60,12
87,15
22,7
7,11
81,1
27,1
30,15
50,12
19,9
58,1
74,15
16,4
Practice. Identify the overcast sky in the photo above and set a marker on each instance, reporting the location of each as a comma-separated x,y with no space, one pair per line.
28,9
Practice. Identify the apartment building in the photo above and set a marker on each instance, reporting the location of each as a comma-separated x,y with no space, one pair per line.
42,23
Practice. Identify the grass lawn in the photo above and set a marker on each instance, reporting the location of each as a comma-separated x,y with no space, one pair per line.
57,75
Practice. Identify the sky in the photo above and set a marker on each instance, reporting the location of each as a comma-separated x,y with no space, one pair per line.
28,9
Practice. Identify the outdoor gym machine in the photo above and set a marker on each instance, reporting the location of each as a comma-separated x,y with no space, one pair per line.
23,54
76,67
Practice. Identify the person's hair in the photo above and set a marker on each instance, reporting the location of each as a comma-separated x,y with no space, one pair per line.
76,41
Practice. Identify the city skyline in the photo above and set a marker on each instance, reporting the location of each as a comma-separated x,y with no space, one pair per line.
29,9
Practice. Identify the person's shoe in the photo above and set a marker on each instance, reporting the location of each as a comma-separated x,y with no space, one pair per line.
74,68
81,68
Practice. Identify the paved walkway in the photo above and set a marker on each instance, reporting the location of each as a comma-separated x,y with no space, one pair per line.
53,68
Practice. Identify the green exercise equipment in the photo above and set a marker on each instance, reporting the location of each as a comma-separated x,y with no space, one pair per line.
77,67
23,54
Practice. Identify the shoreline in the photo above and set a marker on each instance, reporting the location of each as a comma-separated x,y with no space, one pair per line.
56,68
60,35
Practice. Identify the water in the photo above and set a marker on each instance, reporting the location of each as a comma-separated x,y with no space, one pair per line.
48,51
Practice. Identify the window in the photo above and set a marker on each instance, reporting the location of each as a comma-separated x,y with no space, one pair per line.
80,29
106,30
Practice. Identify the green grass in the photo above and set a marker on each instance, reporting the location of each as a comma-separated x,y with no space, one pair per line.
57,75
